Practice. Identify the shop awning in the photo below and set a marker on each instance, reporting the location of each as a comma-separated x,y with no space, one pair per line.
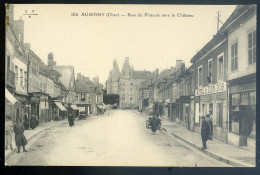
183,99
60,106
100,106
10,97
74,107
104,106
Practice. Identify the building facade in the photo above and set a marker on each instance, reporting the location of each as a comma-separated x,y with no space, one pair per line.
240,29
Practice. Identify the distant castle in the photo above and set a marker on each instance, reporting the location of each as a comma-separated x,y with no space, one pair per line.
126,84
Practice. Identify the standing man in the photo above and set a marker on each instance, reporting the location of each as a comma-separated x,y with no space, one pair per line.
33,122
71,120
20,139
8,132
210,123
205,130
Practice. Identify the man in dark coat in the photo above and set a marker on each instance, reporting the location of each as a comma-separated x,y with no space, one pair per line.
154,123
205,130
71,120
210,123
33,122
20,139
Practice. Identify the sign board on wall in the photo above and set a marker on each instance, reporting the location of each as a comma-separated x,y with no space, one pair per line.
211,89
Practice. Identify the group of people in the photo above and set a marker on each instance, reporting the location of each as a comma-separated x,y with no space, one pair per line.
155,122
18,129
206,129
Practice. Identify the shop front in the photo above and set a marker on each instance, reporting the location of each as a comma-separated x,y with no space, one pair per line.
10,102
59,110
22,107
242,111
183,105
213,98
74,110
39,106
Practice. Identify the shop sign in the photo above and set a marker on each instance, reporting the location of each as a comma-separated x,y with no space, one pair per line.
211,89
206,98
243,87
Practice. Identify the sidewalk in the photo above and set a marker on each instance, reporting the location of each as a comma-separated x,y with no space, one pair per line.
29,134
221,151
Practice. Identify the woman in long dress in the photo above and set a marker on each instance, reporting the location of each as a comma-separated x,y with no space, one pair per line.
20,139
8,132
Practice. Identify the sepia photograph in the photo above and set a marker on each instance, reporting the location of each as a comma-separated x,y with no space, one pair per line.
130,85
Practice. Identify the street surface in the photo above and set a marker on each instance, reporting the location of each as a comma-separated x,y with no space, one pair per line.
120,139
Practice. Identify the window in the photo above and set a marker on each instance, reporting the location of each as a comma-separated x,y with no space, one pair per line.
16,75
83,97
131,84
252,47
8,62
209,70
123,90
200,76
220,67
21,77
234,56
25,80
220,115
123,98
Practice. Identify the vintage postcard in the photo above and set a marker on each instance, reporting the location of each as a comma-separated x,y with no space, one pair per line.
130,85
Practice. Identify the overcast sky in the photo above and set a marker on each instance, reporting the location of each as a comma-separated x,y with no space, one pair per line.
91,43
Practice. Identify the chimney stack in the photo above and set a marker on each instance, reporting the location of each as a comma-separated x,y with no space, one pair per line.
50,61
157,72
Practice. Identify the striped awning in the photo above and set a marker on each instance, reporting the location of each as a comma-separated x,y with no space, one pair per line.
74,107
60,106
10,97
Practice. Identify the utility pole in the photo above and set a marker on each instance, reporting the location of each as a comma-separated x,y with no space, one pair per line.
218,20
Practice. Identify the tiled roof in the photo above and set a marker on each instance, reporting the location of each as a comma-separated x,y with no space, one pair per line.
141,74
81,87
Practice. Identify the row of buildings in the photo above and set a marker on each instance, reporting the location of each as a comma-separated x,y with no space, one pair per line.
221,79
47,91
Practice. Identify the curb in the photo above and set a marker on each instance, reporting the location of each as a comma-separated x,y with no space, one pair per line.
29,138
213,155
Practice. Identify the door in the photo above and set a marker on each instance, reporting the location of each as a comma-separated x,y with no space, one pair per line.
220,114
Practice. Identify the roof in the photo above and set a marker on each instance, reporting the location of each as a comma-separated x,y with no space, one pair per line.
67,73
81,87
220,36
55,75
115,73
141,74
236,13
43,68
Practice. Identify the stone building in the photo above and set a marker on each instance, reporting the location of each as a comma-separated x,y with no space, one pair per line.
126,84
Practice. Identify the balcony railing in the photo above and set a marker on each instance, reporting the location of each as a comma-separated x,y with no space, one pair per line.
10,80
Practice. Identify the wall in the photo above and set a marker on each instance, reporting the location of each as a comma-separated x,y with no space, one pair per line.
241,35
21,65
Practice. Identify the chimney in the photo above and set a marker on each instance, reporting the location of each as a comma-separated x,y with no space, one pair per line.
50,61
19,29
157,72
178,64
